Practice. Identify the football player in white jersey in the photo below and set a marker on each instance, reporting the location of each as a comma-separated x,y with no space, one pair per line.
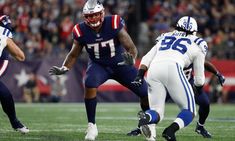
201,99
7,45
165,62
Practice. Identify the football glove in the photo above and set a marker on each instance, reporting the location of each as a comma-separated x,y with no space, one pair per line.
138,81
58,70
128,59
5,22
221,78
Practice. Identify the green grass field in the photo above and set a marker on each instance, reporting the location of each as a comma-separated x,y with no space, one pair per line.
67,122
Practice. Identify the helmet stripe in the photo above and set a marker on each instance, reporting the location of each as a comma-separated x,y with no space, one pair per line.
187,25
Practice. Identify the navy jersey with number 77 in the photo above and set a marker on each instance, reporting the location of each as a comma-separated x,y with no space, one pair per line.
104,47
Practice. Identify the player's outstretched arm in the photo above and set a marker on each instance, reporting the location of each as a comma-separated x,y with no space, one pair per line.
14,50
211,68
69,61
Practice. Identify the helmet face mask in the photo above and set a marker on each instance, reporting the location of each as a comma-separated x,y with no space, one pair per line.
188,24
93,13
94,20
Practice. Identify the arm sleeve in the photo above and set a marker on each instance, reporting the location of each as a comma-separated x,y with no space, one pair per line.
198,65
147,59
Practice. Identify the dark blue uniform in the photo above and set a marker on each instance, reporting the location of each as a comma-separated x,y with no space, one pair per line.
105,52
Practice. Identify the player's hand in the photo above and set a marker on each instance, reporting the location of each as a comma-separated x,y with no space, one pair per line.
58,70
221,78
138,81
128,59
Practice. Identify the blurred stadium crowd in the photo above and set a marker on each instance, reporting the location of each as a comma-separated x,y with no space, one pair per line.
43,27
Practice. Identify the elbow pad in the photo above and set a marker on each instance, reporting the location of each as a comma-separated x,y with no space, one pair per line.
199,81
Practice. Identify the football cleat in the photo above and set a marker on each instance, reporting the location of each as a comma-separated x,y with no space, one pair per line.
201,130
91,132
149,131
18,126
134,132
168,135
22,130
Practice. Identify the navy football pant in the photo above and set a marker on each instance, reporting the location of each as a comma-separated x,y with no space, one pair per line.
97,74
204,106
7,103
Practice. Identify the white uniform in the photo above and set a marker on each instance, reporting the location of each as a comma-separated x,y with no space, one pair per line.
4,35
165,61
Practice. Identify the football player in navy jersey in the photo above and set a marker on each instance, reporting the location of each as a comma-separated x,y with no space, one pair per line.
7,45
111,56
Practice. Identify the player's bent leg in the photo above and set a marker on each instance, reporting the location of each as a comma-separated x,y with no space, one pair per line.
142,93
91,132
144,106
204,108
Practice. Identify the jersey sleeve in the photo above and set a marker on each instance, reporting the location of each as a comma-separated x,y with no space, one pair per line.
202,45
6,33
198,66
77,33
117,22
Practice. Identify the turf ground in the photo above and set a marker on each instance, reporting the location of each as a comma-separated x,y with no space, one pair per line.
67,122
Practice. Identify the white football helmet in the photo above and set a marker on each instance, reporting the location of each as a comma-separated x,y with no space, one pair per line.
93,12
187,23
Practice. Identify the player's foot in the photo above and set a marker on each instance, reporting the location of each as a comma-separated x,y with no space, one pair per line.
143,118
169,135
18,126
134,132
149,131
201,130
91,132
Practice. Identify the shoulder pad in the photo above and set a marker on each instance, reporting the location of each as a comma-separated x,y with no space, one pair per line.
116,21
160,37
77,31
201,44
6,32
